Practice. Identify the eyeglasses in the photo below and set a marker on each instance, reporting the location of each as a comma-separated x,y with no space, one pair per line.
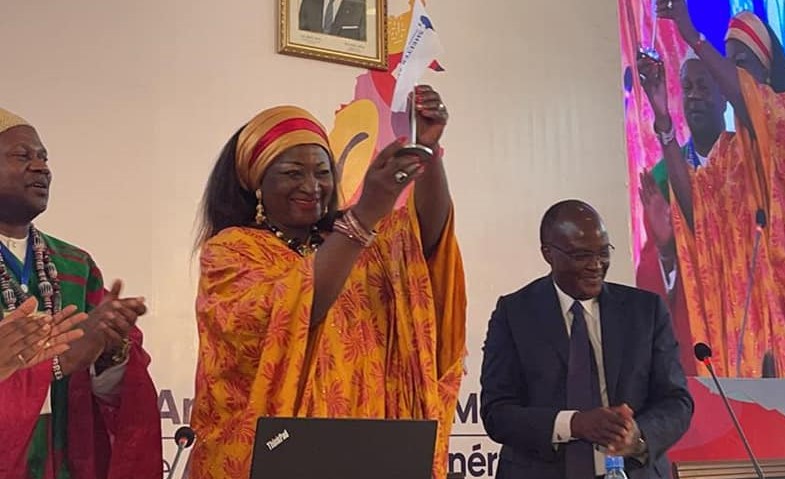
585,256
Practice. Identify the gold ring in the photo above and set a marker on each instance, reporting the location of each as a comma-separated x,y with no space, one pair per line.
21,359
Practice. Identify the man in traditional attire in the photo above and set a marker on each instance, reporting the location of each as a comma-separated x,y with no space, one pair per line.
90,412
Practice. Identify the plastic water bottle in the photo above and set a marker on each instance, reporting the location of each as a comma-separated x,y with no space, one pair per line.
614,467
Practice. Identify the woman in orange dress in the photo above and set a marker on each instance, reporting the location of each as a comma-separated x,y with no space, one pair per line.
307,310
728,222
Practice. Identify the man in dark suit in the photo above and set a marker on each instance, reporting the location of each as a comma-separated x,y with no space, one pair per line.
542,396
344,18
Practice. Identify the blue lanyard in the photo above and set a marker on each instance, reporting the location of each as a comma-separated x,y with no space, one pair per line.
692,155
22,272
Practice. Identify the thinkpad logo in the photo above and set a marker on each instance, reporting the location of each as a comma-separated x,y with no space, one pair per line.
277,440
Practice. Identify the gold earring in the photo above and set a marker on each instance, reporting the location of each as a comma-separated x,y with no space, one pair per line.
259,207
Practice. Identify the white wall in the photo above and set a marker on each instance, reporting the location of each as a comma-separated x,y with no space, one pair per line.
135,99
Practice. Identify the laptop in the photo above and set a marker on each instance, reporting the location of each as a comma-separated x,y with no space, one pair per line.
317,448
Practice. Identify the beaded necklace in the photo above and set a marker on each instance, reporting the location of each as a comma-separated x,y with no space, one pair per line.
302,248
48,285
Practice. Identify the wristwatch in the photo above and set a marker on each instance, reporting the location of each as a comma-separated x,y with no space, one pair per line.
666,137
121,354
640,446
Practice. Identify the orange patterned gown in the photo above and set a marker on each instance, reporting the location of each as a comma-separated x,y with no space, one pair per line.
391,346
744,173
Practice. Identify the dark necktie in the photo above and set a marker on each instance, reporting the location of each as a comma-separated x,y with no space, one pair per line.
327,24
583,393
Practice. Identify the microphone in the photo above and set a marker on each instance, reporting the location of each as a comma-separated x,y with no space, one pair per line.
760,224
769,369
184,437
760,218
703,353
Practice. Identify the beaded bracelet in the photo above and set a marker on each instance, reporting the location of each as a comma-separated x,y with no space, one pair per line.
57,370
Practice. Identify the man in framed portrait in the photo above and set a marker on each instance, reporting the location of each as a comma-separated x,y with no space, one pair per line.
343,18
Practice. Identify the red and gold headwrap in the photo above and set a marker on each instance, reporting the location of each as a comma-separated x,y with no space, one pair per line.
750,30
269,134
10,120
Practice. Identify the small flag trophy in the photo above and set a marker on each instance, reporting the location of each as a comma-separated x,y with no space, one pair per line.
414,148
650,51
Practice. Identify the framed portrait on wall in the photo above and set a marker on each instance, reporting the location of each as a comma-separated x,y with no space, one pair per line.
352,32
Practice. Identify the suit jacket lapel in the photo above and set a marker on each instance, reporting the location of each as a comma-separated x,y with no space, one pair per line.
350,13
551,320
612,320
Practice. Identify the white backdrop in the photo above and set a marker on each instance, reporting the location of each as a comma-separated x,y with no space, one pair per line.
135,99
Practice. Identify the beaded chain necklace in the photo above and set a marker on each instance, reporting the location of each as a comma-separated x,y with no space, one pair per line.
14,294
309,246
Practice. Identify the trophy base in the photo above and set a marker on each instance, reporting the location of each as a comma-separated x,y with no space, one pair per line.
417,150
649,53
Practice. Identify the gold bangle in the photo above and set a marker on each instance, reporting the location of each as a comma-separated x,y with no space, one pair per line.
342,226
349,226
359,229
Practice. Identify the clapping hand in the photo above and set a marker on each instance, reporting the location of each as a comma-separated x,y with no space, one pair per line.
657,212
106,329
603,426
630,444
28,338
117,316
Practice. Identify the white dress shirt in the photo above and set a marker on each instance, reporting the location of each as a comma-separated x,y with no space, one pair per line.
562,432
18,246
668,277
105,384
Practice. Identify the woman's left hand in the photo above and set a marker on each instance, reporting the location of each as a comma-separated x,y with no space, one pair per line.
431,116
657,212
677,11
